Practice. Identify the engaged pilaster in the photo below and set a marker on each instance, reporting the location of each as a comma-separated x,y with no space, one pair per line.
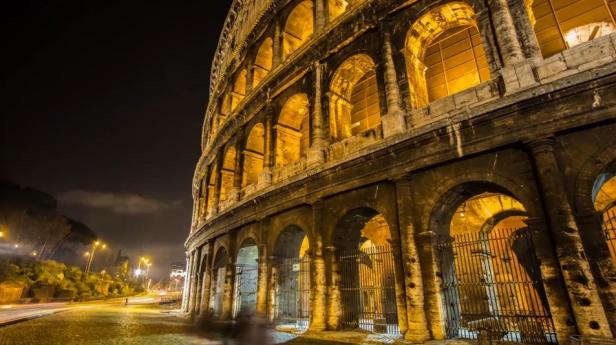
589,315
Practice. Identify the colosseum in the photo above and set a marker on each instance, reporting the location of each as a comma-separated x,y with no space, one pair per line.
429,170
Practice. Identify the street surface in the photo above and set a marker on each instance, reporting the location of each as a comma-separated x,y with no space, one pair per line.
114,323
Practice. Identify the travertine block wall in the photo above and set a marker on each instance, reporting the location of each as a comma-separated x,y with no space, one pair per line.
536,129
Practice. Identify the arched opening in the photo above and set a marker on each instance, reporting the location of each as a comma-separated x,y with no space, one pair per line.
338,7
246,276
298,28
444,53
291,278
293,130
490,273
224,110
239,89
227,173
217,290
253,155
211,188
604,199
354,103
263,61
561,24
366,263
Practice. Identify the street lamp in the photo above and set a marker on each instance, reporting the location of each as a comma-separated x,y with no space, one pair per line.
90,255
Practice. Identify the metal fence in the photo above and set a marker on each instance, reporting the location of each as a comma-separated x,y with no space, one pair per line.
609,228
367,289
492,286
245,288
293,294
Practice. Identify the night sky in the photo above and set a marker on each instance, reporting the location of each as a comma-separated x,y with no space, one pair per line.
103,107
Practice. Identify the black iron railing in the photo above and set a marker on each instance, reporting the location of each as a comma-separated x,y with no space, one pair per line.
492,286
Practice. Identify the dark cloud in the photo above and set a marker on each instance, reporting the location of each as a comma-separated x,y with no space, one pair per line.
124,203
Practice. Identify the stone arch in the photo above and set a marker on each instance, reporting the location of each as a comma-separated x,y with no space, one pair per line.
254,154
228,172
365,260
488,264
219,267
560,24
263,61
298,28
603,162
293,130
444,53
491,181
354,97
290,277
596,194
239,89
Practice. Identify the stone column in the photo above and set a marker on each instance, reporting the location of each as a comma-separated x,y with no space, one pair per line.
262,284
484,24
334,306
399,285
193,283
207,282
319,15
525,29
600,260
239,165
277,44
316,154
273,289
394,121
589,315
229,286
269,150
317,271
249,75
196,295
416,316
218,183
187,281
428,259
506,35
555,291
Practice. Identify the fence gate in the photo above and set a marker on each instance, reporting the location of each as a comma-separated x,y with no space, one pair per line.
492,285
609,228
245,288
367,289
293,295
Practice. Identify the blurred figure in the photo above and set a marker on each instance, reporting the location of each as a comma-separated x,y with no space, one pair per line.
252,329
248,329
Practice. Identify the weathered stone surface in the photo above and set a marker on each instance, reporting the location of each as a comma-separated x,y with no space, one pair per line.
412,149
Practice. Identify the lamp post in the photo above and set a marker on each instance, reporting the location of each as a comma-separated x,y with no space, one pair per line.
144,260
95,245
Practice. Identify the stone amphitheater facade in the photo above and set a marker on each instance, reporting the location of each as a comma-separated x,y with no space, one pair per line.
425,169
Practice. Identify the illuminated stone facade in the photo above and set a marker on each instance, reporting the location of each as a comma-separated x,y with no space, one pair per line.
427,169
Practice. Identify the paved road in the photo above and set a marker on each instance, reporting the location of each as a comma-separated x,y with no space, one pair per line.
113,324
11,313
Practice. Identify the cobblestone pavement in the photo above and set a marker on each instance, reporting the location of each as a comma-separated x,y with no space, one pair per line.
105,325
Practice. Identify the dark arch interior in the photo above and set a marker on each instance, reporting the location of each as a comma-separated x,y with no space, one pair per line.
292,274
221,259
289,242
347,234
